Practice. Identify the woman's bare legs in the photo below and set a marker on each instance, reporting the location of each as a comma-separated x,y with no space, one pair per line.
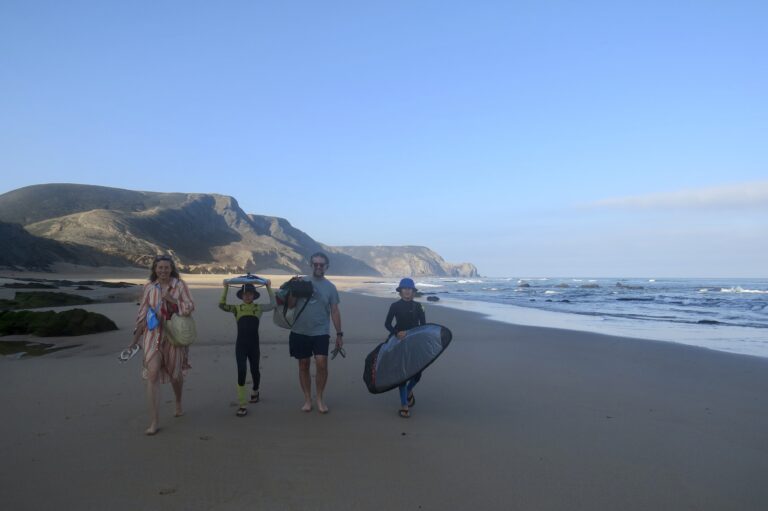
177,390
153,394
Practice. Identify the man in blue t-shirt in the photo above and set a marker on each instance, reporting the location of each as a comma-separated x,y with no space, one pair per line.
310,334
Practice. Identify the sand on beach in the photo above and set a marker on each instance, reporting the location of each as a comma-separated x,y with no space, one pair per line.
510,417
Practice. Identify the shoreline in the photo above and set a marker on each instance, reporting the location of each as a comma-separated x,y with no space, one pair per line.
689,335
751,340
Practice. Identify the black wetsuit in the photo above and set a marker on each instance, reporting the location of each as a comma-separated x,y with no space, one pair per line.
407,315
247,344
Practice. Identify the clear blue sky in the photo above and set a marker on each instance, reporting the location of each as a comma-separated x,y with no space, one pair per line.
532,138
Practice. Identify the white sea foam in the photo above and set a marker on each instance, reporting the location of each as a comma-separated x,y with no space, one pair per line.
745,341
739,289
739,308
470,281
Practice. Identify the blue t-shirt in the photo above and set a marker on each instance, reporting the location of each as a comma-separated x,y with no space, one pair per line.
316,318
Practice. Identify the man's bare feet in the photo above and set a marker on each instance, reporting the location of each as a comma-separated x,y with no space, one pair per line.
307,407
179,411
321,407
151,430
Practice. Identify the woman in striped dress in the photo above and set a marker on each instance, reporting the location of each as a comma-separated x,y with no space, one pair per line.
166,294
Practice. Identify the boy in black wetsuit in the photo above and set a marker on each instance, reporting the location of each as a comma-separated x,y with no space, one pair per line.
407,314
247,315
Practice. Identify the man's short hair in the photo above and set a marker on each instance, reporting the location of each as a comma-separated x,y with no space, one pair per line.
320,254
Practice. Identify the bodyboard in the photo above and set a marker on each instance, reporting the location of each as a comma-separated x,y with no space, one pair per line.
394,362
247,279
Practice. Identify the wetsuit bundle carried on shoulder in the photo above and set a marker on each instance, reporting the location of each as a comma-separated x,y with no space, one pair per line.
285,315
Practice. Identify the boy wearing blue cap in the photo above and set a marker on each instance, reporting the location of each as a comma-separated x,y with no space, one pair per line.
247,315
407,314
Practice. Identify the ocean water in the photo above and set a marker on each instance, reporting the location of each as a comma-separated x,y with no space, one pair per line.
722,314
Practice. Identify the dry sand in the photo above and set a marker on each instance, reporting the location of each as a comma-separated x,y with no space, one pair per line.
510,417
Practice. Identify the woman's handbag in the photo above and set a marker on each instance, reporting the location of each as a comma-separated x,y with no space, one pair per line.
181,330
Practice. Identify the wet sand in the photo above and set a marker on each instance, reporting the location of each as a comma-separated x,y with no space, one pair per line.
510,417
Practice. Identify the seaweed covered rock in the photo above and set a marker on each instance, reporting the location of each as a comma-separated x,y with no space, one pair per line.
54,324
34,299
29,285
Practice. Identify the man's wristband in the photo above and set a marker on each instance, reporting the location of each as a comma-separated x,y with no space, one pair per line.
339,334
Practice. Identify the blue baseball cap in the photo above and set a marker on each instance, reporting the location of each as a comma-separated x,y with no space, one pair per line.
406,283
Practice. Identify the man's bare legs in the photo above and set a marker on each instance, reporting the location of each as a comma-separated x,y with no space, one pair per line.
305,380
321,378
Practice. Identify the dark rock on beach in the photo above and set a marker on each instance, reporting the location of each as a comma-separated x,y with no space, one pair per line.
54,324
36,299
29,285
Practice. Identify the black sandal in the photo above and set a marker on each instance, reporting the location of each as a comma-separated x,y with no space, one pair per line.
405,414
411,400
242,411
255,397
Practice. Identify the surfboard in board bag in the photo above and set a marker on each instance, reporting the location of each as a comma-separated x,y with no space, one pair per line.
247,279
394,361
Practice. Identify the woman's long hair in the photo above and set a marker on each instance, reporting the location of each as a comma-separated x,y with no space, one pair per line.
174,271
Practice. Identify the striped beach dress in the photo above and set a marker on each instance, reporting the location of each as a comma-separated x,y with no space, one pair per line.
174,359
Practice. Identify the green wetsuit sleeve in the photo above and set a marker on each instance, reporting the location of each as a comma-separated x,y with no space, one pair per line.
223,301
272,303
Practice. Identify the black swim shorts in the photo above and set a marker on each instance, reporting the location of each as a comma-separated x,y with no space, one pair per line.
304,346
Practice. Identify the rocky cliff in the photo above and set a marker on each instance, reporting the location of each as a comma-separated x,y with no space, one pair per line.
408,261
207,233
